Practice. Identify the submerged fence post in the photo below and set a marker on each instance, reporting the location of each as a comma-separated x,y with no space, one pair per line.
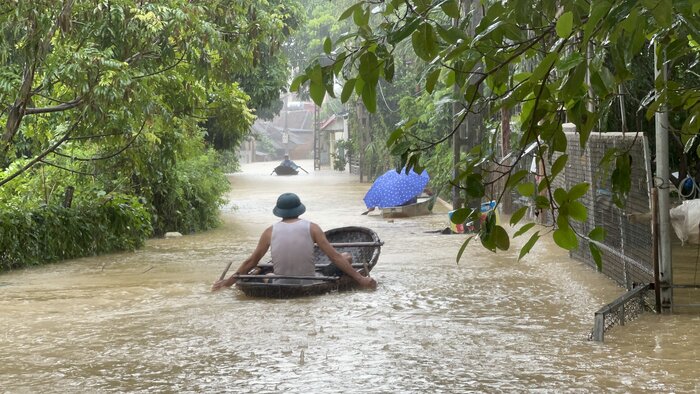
598,333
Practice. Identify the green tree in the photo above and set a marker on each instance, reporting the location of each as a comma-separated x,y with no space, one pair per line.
550,61
113,95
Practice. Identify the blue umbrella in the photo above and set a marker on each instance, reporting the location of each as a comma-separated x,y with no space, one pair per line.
392,188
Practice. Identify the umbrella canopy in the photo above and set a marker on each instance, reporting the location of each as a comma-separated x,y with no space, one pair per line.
392,188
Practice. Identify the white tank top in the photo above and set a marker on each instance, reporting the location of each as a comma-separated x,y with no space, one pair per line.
292,248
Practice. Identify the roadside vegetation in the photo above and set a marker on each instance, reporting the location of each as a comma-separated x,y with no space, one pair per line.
116,116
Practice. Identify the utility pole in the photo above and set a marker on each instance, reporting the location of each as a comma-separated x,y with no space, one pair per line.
285,132
317,138
474,120
663,185
505,150
363,127
457,200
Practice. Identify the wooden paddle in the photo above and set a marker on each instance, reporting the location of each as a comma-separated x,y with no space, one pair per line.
302,169
223,274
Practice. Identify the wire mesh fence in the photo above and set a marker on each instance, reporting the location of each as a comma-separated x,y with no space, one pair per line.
627,247
627,307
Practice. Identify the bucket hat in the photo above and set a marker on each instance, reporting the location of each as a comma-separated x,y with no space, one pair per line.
288,206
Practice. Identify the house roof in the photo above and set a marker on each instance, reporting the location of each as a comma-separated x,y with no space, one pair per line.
297,119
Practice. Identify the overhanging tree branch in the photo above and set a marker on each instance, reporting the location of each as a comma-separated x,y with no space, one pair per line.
109,156
56,108
43,154
19,108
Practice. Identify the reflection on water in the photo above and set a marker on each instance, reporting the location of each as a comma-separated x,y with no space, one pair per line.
146,321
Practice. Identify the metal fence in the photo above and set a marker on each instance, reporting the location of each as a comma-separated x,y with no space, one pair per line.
625,308
627,248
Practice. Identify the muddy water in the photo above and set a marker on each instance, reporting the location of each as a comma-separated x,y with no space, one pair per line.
146,321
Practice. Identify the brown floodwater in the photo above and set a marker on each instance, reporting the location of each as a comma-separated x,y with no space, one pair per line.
146,321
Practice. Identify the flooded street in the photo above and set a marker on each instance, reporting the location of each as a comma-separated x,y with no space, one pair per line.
147,322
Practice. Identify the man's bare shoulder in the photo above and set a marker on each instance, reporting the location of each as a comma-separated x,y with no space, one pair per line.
316,231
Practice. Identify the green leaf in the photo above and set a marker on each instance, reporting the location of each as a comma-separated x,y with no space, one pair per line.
515,178
424,42
431,80
691,124
574,82
598,11
347,90
577,211
579,191
346,14
517,215
544,67
522,230
526,189
570,61
541,202
597,257
529,244
460,215
560,196
404,31
389,68
597,234
369,98
558,165
316,74
359,86
327,45
662,11
565,238
394,136
318,92
463,247
491,27
360,17
297,82
487,241
339,62
500,237
369,68
565,24
620,179
474,186
450,8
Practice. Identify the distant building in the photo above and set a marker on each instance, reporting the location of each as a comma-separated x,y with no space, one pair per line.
333,129
292,132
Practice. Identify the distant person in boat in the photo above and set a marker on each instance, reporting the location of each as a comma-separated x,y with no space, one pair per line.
291,242
288,163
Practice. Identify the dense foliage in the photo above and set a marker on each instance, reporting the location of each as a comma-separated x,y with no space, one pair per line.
395,100
548,62
125,97
51,233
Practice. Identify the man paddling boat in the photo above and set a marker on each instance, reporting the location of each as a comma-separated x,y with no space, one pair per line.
291,242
